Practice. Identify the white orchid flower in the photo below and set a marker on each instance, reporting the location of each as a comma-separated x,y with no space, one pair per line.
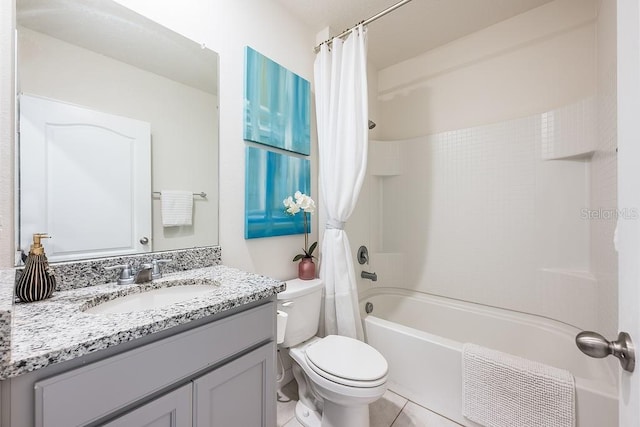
302,202
308,205
292,207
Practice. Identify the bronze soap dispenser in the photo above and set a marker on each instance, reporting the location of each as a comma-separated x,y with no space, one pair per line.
37,281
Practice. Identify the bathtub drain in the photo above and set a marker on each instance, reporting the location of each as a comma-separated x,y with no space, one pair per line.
368,307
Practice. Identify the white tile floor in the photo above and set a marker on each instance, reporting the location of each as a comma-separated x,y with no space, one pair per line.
391,410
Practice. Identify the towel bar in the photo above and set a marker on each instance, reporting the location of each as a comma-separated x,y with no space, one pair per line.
201,194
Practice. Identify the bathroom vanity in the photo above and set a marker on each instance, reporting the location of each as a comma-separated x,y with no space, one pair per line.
206,361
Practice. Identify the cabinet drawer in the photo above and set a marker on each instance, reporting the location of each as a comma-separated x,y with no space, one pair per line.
89,393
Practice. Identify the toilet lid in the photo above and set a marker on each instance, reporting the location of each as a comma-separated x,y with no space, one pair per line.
347,358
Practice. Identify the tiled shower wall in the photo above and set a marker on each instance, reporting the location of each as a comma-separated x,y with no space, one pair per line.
495,214
499,213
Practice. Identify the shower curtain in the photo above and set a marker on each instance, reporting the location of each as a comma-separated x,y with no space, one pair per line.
340,76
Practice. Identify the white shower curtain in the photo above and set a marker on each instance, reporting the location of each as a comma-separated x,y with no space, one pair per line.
341,106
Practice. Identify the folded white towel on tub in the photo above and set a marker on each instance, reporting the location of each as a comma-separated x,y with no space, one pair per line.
501,390
176,207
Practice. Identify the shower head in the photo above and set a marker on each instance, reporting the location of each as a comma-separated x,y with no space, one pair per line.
372,124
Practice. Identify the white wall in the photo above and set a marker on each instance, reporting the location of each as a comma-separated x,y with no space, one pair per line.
184,127
536,61
227,26
484,201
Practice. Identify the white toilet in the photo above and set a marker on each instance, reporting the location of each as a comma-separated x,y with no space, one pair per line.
337,376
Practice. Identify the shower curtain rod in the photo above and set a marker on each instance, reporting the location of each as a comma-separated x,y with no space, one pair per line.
365,22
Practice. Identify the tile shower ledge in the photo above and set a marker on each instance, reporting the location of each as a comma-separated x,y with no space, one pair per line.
57,329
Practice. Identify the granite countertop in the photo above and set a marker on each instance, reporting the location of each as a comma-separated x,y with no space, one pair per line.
57,329
7,279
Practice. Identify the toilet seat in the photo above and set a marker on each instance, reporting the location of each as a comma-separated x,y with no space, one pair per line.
347,361
346,394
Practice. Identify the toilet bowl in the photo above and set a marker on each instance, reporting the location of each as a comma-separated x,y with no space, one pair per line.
337,376
346,373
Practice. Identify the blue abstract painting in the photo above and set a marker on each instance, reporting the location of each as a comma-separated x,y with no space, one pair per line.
270,178
276,105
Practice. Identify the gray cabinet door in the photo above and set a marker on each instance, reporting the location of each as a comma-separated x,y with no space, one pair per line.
240,393
169,410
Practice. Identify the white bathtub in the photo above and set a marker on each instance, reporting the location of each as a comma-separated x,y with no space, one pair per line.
422,335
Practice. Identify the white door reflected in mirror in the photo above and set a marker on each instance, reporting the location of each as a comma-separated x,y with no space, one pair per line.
87,175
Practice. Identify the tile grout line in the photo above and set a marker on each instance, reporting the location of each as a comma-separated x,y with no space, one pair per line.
403,406
277,420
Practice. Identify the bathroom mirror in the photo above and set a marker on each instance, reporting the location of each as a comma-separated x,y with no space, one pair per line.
101,56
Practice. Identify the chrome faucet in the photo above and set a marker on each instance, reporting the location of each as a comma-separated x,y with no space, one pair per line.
371,276
146,273
143,274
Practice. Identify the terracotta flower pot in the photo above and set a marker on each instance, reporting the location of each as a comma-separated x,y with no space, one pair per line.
307,269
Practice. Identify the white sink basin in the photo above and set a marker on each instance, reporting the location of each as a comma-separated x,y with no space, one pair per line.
151,299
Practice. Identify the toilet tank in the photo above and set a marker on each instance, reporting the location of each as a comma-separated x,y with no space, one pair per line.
301,301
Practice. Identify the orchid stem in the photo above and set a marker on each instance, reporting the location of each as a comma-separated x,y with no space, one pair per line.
306,237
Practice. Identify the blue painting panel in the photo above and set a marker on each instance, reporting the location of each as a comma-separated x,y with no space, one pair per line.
276,105
270,178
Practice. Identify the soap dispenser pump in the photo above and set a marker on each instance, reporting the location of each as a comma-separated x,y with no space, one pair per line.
37,281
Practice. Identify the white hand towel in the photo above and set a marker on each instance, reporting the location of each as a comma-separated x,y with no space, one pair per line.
177,208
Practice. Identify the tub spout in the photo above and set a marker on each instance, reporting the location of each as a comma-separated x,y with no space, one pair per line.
371,276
